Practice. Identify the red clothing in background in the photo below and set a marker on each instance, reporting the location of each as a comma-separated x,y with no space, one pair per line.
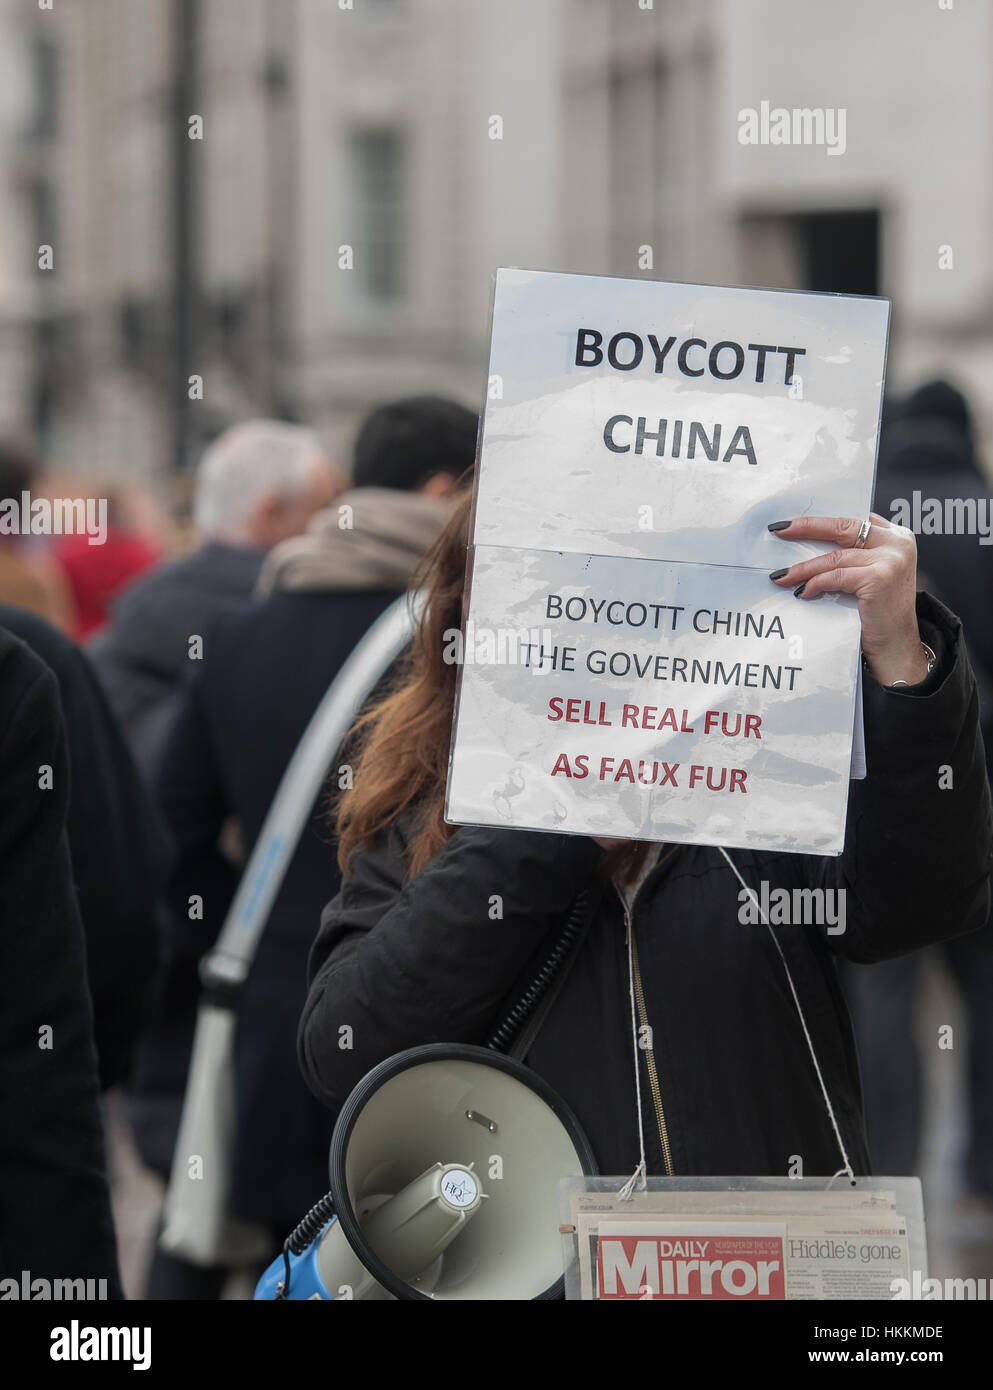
97,572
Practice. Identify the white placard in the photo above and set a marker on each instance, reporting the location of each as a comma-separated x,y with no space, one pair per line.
734,454
634,699
628,668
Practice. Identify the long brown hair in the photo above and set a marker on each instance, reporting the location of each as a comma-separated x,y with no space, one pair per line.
402,740
399,746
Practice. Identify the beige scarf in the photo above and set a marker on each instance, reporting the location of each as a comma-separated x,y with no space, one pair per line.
370,538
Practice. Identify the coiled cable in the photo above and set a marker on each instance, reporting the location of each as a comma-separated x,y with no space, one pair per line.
302,1234
503,1039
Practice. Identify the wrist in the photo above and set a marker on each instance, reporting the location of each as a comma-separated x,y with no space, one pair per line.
902,664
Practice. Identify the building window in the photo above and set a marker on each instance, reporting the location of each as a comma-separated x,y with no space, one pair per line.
377,177
840,251
44,121
640,185
44,216
830,252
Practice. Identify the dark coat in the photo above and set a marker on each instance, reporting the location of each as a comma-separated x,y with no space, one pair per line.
264,672
55,1217
935,459
405,963
141,657
117,846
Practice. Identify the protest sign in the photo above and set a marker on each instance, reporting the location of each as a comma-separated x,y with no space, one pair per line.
627,667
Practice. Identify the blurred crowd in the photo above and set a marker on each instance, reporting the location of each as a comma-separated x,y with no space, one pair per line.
177,668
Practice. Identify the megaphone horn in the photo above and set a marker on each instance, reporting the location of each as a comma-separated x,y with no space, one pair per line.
445,1163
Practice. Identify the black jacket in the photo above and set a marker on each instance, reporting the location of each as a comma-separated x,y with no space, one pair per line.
116,843
935,460
141,657
410,962
55,1218
265,669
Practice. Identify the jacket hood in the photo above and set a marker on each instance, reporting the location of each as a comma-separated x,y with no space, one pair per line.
371,538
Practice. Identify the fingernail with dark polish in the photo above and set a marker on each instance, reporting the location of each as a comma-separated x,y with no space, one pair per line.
779,525
778,574
799,589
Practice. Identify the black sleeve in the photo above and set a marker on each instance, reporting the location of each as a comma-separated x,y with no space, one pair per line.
194,805
118,854
55,1218
397,964
919,840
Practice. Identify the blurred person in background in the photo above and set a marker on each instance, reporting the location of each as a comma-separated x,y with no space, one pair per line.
117,848
28,577
928,446
97,572
55,1214
257,484
245,709
929,449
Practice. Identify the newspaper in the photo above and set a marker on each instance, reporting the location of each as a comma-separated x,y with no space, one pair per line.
741,1246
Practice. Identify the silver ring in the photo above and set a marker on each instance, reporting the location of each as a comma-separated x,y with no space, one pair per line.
863,534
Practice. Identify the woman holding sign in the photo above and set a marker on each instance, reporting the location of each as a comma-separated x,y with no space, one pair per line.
746,1063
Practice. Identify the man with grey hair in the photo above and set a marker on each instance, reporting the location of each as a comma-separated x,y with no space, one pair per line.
257,484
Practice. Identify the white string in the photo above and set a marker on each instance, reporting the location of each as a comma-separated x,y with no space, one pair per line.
836,1176
813,1055
640,1172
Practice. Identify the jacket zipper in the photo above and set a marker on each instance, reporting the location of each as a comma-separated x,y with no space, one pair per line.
653,1075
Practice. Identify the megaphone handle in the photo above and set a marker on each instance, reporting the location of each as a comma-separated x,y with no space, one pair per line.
303,1233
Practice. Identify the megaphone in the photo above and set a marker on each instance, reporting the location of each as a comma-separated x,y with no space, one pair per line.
445,1163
